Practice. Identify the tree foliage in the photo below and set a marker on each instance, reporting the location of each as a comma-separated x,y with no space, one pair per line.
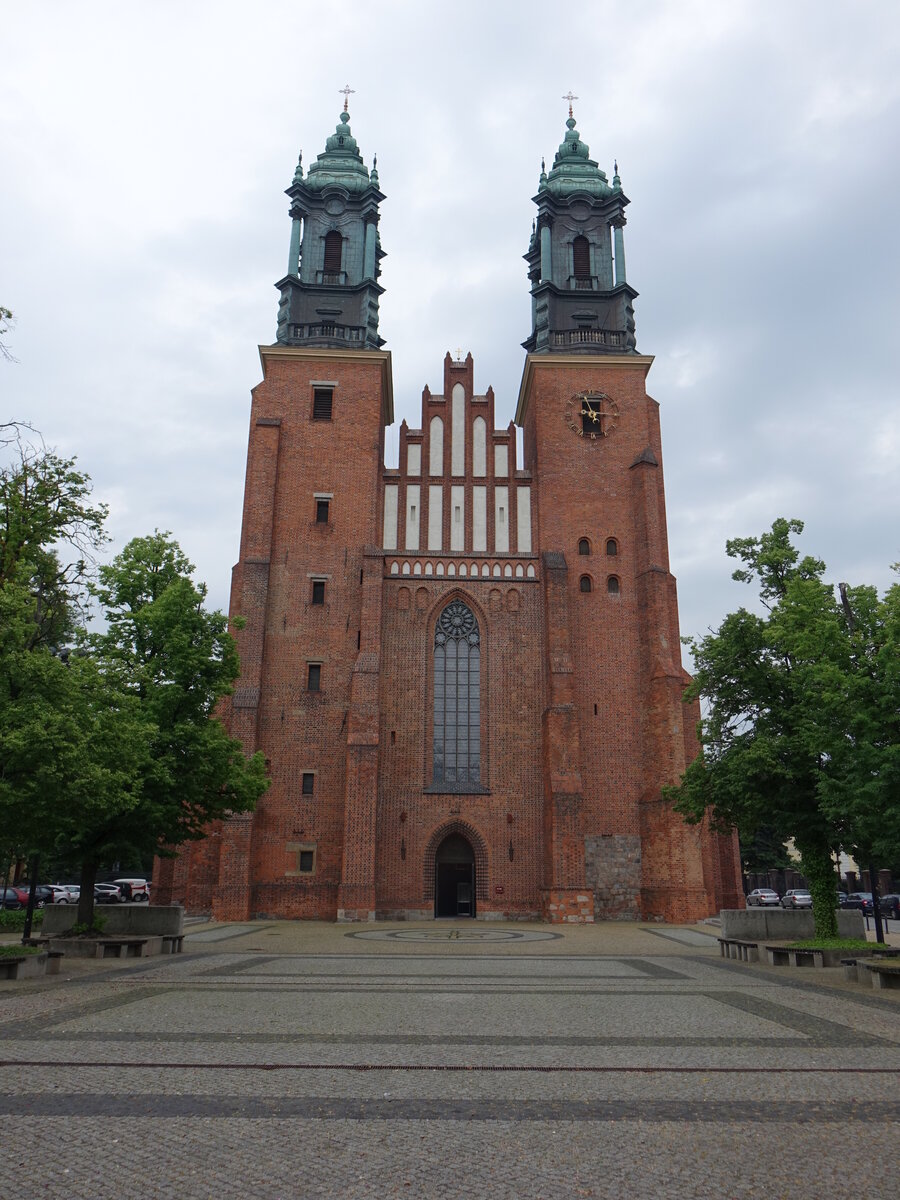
111,751
800,730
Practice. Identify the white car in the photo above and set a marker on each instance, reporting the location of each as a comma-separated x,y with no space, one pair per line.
763,898
64,893
134,890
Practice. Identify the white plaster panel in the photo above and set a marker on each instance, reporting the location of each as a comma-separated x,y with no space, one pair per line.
389,539
479,519
435,516
523,514
436,447
414,458
458,421
413,512
479,447
501,520
457,518
501,459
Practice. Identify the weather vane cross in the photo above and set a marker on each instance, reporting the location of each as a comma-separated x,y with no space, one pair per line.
570,97
347,91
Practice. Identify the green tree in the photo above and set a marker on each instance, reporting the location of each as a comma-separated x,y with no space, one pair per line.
174,660
44,504
862,718
767,680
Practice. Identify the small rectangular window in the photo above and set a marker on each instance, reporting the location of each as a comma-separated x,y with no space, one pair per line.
322,512
314,678
305,861
318,591
322,398
308,783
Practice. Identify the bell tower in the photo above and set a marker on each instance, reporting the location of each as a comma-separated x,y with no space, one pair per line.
615,730
329,296
580,299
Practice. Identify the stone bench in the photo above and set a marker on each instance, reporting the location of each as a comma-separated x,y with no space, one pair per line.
10,964
29,966
122,947
172,943
785,956
883,972
738,948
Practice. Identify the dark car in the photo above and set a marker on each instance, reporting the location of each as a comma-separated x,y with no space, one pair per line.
23,889
9,898
861,900
889,906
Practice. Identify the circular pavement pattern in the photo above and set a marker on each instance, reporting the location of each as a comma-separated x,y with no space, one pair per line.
454,935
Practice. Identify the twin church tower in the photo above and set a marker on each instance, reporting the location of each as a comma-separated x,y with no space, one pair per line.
464,672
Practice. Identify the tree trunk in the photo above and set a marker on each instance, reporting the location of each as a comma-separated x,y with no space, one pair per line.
818,867
86,899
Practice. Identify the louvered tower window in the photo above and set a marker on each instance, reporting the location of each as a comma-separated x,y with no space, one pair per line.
581,256
333,246
457,699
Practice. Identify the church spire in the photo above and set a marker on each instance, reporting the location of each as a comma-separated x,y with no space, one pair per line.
581,302
329,296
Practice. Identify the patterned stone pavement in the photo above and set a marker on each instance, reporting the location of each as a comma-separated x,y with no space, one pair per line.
280,1060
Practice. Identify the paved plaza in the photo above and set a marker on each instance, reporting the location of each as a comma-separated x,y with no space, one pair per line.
475,1060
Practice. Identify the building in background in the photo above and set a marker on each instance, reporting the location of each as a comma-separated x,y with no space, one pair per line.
465,672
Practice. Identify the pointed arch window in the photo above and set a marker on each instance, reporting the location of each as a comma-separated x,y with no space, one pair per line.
334,244
456,761
581,257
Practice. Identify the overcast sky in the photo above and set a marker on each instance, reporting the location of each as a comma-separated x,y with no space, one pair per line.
145,149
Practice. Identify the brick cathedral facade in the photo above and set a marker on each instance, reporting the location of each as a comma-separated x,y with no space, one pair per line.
464,672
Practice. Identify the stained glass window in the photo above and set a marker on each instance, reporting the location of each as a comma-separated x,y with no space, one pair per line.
457,699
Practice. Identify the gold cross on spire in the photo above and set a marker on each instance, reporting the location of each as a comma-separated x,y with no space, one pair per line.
347,91
570,97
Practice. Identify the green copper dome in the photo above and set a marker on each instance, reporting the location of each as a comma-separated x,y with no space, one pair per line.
341,164
573,168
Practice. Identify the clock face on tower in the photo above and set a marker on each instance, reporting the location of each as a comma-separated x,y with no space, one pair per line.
591,415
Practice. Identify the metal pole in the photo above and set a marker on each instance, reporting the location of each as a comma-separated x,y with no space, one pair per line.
32,896
876,908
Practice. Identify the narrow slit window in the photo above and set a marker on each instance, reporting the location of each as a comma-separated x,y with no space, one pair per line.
308,783
581,258
318,591
321,512
314,678
322,404
333,247
306,861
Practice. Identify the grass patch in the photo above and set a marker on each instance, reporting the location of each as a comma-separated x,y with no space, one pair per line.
855,944
16,951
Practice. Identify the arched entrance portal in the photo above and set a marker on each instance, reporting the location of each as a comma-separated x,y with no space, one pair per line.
454,878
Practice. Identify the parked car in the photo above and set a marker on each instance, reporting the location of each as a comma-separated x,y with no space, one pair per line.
107,893
763,898
23,889
861,900
42,894
9,898
842,899
134,890
889,905
65,893
796,898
